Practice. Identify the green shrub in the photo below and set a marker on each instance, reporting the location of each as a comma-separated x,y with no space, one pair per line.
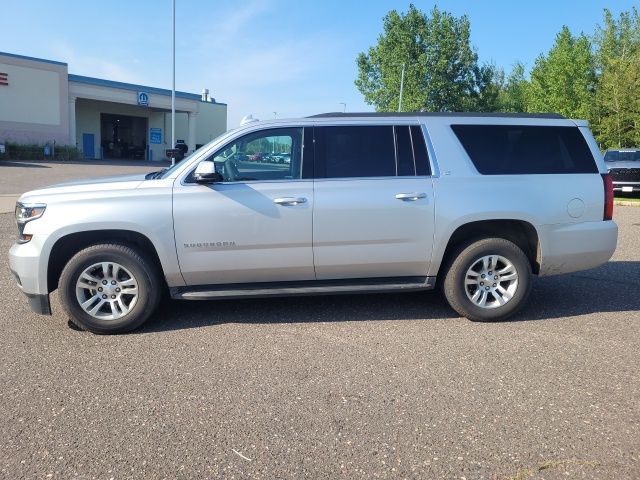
34,151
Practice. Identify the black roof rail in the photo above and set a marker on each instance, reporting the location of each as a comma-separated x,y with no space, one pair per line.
437,114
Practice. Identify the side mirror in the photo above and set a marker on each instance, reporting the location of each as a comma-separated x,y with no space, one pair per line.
206,173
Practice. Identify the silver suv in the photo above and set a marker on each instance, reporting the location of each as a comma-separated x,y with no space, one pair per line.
367,203
624,168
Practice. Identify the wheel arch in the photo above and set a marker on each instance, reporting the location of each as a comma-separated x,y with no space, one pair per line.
67,246
520,232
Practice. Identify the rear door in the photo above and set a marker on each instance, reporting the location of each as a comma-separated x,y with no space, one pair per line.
374,208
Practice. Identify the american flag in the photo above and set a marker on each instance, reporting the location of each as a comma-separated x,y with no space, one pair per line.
4,79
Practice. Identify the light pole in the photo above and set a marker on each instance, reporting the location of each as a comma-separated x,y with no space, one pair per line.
344,107
401,88
173,85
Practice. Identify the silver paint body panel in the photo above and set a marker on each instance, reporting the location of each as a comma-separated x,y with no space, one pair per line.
347,228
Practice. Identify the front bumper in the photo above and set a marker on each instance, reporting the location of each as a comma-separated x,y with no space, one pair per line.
40,304
24,262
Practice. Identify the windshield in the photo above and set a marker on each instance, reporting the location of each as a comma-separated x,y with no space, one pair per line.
622,156
166,173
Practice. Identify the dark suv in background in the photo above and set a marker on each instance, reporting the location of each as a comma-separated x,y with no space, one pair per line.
624,168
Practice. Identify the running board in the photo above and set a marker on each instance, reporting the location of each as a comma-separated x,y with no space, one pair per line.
314,287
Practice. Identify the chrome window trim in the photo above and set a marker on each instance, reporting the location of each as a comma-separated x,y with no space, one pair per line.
248,182
346,179
184,173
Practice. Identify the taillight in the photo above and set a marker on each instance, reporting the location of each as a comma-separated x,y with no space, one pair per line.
608,196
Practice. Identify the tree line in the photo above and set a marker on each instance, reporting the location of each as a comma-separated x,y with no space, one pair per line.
594,77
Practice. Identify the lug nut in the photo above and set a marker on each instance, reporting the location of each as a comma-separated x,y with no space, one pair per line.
489,273
104,296
117,289
496,277
482,275
113,296
494,285
486,288
104,282
99,289
481,283
113,282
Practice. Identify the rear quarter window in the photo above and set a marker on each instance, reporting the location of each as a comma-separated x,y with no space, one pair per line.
526,149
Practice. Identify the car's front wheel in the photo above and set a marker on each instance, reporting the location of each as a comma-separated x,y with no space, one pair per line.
488,280
109,288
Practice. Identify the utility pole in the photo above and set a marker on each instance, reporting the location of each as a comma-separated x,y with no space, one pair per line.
173,86
401,88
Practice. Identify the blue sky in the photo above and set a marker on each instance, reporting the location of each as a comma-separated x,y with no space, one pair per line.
292,57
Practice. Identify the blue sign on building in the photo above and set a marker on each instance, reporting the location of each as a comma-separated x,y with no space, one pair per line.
143,98
155,135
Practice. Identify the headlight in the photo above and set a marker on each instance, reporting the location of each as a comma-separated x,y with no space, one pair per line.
25,212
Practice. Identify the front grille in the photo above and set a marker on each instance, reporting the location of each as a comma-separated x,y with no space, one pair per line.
625,174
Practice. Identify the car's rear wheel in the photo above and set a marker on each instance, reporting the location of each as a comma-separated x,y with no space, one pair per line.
109,288
488,280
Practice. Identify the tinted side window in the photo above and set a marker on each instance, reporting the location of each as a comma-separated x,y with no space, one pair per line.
517,149
420,151
404,151
355,151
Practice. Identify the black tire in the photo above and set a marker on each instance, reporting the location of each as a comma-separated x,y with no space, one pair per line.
464,258
146,274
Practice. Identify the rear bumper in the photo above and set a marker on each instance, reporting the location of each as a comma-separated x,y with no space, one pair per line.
574,247
626,187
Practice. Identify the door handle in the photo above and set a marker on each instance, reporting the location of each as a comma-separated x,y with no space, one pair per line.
289,200
410,197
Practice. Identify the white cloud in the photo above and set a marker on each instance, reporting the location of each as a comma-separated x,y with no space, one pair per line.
95,66
237,18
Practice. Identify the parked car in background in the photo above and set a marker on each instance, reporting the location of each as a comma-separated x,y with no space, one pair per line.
240,157
624,168
281,158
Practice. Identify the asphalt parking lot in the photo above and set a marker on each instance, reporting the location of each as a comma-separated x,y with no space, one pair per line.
372,386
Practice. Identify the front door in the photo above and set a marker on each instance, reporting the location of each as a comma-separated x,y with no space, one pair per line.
255,226
374,206
88,145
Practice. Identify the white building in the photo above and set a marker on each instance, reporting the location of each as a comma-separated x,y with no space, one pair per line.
40,102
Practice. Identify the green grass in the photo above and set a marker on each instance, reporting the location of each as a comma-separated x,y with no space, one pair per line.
628,199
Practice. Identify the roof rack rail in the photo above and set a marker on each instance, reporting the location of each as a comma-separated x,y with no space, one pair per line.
438,114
